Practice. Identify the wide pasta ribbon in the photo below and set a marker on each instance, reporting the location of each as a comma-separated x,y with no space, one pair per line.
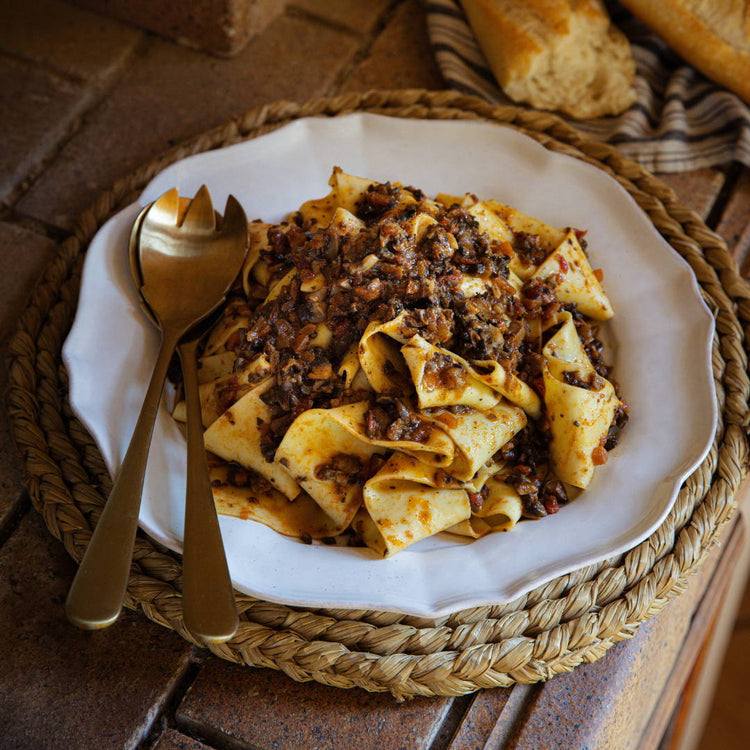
442,378
565,261
257,240
315,449
484,381
575,280
501,224
236,316
215,366
579,415
549,237
437,450
478,435
501,507
317,439
216,395
351,372
346,192
498,230
407,501
236,435
489,222
507,384
252,501
380,355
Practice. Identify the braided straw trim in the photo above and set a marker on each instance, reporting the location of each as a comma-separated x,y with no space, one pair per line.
572,619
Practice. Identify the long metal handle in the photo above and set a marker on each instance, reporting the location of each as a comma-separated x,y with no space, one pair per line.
208,605
98,590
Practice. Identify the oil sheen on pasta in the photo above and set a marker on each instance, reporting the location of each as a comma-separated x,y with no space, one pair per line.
390,366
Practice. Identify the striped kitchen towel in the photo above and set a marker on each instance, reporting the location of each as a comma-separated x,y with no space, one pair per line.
680,120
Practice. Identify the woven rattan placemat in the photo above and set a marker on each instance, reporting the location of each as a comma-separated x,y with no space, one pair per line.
550,630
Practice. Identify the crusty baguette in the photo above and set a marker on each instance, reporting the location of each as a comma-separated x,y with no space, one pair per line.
712,35
555,54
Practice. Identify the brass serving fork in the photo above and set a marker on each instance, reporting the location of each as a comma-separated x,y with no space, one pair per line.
183,264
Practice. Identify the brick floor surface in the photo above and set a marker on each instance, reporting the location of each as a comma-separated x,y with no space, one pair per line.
86,100
39,110
13,498
63,687
357,16
173,740
400,57
302,715
75,43
169,93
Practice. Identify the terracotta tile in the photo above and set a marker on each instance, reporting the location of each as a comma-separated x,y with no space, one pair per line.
401,57
743,258
477,725
173,740
609,703
266,709
172,93
743,614
23,256
39,110
61,687
73,41
728,725
221,27
12,492
360,16
698,189
734,225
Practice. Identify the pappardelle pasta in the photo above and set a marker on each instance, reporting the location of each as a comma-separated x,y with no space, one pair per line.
391,366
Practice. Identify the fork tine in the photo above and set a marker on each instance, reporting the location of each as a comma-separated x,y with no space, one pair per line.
200,216
234,217
166,209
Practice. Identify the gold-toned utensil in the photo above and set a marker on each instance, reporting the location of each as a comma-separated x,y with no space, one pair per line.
209,608
185,266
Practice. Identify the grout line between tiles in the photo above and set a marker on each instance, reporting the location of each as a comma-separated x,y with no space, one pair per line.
21,507
721,201
165,717
510,720
364,50
95,92
459,708
294,11
46,67
211,736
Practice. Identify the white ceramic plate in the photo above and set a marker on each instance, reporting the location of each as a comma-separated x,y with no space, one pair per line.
661,347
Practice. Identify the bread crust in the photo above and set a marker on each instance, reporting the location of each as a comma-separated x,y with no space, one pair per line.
555,54
714,36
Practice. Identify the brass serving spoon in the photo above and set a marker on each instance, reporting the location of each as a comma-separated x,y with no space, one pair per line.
185,266
209,610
